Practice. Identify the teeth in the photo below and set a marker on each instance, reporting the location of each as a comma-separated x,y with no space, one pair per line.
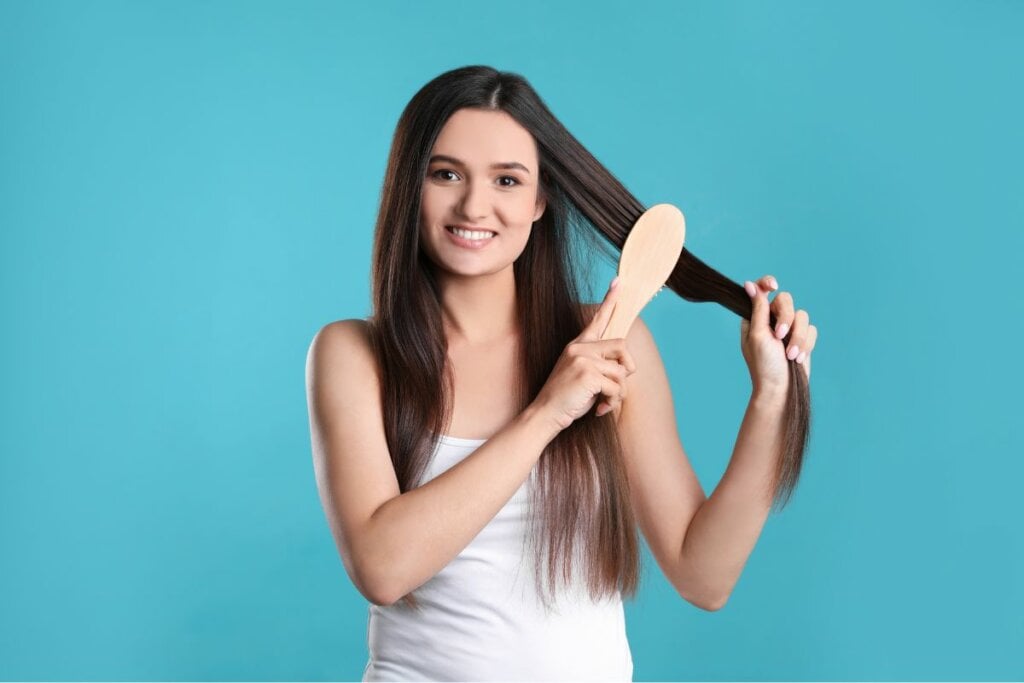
471,234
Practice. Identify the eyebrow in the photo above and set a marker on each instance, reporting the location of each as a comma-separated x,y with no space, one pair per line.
453,160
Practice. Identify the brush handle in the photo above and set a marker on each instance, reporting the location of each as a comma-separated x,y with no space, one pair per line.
624,314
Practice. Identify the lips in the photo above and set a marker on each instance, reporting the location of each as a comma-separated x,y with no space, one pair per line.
468,243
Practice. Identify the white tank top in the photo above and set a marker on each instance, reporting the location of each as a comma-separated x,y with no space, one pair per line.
481,618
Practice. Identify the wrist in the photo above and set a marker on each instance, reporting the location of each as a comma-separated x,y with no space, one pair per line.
541,420
769,397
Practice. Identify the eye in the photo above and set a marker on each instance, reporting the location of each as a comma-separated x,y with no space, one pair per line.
515,181
436,173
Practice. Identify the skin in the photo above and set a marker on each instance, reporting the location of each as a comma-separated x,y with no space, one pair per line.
478,287
762,347
700,543
477,296
391,543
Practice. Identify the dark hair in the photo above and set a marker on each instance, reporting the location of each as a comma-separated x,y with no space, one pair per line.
411,348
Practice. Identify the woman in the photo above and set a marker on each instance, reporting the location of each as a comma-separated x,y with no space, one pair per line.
453,437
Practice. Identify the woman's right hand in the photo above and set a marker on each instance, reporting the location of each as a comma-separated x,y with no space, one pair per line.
587,367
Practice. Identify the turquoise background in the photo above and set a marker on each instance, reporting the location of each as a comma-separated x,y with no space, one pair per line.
187,194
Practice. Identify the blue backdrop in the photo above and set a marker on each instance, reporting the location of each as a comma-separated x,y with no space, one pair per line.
187,194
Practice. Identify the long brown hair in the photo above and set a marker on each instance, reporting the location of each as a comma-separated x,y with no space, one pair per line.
584,200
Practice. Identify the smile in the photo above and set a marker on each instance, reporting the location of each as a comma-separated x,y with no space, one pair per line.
472,239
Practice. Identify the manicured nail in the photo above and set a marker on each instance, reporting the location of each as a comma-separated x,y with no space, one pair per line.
772,283
801,357
750,287
793,352
615,281
781,331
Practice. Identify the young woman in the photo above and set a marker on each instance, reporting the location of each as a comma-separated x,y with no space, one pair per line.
483,458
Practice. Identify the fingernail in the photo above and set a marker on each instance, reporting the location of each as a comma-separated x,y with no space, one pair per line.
801,357
793,352
773,283
781,331
615,281
751,289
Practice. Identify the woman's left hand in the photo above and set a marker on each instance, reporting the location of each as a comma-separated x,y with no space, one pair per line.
763,348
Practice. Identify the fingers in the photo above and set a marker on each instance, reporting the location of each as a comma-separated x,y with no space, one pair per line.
759,314
616,349
810,341
612,349
796,323
782,307
613,386
604,313
798,342
807,365
768,283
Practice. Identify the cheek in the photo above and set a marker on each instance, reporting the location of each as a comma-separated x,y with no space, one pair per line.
427,205
520,210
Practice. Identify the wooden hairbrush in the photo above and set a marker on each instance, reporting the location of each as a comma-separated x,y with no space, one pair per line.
648,257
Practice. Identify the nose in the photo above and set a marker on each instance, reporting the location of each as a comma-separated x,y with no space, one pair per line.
474,201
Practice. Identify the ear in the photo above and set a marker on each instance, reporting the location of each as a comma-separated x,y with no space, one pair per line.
541,205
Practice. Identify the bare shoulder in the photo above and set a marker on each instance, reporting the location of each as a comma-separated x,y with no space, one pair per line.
342,343
351,330
342,380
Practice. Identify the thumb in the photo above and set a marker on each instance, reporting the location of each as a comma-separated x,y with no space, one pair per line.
759,301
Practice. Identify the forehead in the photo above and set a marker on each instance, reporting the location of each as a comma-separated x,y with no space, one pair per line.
481,137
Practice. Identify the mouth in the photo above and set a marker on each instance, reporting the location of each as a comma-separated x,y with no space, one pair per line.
470,232
469,238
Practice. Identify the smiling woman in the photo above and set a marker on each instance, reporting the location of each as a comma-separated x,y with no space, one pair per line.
476,216
458,433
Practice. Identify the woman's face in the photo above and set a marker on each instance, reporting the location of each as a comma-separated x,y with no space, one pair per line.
483,177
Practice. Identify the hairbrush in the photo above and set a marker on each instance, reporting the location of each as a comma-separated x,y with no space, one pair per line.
648,257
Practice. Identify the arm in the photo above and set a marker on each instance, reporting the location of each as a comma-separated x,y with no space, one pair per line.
391,543
725,529
700,543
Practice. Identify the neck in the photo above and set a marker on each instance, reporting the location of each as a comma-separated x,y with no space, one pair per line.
479,309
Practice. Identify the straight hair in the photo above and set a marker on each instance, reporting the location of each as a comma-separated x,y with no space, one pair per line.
582,490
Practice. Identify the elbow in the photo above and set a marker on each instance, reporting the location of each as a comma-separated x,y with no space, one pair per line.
714,605
708,605
708,601
375,594
373,591
367,578
373,587
381,599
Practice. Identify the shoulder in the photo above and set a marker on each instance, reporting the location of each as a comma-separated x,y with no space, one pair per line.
351,334
342,346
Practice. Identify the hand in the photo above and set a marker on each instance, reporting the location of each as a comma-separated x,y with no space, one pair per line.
764,350
587,367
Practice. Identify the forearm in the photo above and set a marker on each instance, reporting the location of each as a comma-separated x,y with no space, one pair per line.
725,528
413,536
